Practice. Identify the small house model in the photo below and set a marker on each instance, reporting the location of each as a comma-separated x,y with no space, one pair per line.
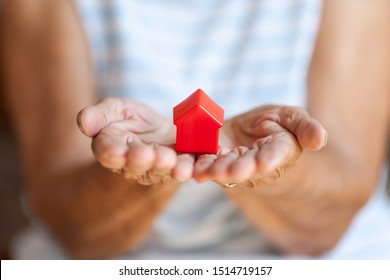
198,120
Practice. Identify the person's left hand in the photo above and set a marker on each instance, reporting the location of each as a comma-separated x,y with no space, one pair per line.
260,146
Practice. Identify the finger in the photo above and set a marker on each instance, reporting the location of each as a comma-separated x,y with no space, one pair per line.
166,158
310,133
184,168
140,157
110,146
165,161
226,166
156,171
223,150
276,151
245,165
94,118
220,170
202,165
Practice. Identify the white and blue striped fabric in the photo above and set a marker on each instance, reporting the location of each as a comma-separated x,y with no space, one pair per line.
243,53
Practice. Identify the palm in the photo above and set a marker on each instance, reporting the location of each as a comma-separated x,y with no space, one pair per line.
132,139
261,145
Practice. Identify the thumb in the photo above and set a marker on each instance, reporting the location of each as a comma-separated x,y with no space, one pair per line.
309,132
92,119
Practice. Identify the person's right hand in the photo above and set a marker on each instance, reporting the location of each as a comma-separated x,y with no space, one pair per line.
132,139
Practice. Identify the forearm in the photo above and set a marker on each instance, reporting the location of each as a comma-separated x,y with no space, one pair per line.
47,77
93,212
308,209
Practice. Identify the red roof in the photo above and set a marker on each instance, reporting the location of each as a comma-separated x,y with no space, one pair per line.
199,99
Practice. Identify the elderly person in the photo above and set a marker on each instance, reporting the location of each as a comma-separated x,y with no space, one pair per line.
303,169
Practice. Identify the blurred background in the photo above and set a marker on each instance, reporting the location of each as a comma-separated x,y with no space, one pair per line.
12,219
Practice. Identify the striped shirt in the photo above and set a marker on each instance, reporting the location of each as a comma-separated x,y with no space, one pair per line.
243,53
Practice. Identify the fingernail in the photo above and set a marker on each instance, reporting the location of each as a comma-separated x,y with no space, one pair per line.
79,122
326,139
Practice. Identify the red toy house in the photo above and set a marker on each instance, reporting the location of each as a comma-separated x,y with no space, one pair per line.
198,120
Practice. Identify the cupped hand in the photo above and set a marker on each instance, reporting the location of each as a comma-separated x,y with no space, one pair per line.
260,146
132,139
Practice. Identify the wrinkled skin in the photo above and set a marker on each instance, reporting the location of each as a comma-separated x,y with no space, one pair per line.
255,148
